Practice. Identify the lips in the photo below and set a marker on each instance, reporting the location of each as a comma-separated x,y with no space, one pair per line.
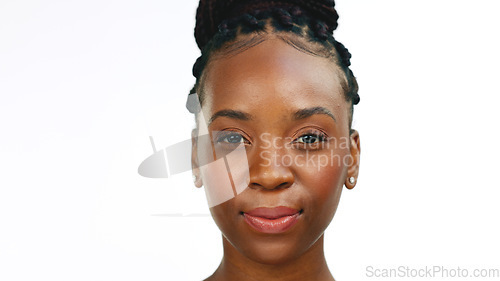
272,220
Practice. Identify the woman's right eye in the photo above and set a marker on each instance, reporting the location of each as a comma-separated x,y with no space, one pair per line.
234,138
231,138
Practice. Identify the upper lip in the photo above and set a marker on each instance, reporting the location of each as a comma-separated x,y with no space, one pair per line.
272,213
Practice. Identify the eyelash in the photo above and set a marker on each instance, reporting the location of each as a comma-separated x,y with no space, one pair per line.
318,135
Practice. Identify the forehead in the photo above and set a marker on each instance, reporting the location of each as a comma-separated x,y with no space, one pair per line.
272,75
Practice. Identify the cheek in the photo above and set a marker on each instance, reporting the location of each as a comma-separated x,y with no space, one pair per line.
330,183
322,176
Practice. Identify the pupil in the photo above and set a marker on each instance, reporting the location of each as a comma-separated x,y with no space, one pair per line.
309,139
234,138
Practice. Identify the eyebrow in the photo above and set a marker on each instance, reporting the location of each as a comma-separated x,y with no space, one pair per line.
234,114
298,115
308,112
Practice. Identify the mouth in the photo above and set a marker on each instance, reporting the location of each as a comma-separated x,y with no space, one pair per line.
272,220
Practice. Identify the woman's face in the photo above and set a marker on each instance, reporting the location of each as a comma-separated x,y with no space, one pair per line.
288,110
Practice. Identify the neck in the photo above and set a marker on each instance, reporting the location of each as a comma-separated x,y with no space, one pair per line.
311,265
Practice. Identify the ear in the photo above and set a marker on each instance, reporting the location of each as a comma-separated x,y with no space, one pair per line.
194,159
353,169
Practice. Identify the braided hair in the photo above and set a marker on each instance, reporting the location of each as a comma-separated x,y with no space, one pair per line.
220,22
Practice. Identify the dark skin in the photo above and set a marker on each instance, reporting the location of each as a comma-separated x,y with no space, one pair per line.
295,100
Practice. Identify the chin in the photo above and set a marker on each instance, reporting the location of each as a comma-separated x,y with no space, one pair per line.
272,253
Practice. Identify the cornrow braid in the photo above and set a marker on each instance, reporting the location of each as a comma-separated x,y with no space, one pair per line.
211,13
219,22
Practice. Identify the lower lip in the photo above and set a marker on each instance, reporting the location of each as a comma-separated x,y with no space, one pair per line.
278,225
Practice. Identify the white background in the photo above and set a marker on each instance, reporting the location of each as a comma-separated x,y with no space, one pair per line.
83,84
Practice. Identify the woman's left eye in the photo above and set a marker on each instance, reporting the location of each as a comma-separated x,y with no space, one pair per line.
311,138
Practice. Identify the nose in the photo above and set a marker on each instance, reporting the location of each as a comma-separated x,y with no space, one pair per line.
267,171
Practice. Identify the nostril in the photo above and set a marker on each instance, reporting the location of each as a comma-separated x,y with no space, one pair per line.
284,185
270,186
